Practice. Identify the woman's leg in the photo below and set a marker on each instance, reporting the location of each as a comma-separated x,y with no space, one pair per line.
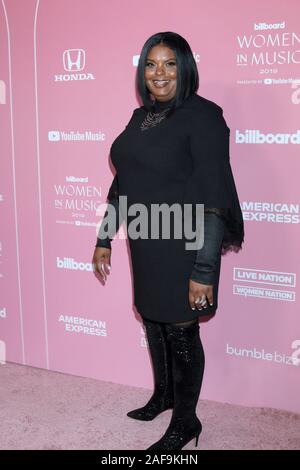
188,363
159,349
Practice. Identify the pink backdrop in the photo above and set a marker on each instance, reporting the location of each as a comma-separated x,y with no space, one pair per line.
57,124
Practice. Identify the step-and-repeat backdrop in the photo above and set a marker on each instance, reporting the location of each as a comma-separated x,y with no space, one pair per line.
67,89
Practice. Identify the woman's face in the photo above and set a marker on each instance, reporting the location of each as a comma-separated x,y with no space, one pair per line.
161,72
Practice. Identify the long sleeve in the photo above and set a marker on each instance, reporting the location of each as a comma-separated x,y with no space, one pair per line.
207,257
113,199
212,182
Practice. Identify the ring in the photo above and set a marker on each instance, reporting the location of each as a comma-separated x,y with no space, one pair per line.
202,301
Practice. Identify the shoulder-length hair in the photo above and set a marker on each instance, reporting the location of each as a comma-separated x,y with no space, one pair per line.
187,72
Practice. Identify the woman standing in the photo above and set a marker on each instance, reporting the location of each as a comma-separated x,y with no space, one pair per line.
174,150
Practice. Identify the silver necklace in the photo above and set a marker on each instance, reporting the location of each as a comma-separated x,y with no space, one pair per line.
152,119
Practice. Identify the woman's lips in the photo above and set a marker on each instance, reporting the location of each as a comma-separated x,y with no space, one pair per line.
160,83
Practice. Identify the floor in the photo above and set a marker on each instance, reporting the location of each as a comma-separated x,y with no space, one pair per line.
42,409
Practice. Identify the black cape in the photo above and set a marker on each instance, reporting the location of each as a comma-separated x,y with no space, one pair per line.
183,159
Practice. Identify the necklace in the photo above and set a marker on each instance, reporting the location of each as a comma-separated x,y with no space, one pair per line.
152,119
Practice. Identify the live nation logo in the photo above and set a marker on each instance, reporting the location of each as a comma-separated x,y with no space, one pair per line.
263,280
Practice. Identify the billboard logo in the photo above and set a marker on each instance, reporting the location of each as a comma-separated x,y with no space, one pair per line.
255,136
262,26
74,60
70,263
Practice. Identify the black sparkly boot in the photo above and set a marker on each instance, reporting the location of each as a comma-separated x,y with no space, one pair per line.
188,367
162,398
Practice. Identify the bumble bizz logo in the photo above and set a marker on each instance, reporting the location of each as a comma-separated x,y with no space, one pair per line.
268,356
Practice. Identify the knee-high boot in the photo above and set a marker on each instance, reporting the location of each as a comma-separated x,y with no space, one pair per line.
188,367
162,397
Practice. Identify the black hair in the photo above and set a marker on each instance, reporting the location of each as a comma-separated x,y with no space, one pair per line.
187,72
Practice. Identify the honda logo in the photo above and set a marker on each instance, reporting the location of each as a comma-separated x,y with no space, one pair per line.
74,60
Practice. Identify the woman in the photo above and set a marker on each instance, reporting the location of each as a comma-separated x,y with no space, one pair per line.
175,149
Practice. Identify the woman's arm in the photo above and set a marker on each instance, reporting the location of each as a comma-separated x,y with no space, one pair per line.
113,199
208,256
212,182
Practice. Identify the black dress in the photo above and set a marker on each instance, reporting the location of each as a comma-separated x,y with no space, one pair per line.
166,163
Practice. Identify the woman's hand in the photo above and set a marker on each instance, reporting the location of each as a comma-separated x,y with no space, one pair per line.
101,262
200,295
